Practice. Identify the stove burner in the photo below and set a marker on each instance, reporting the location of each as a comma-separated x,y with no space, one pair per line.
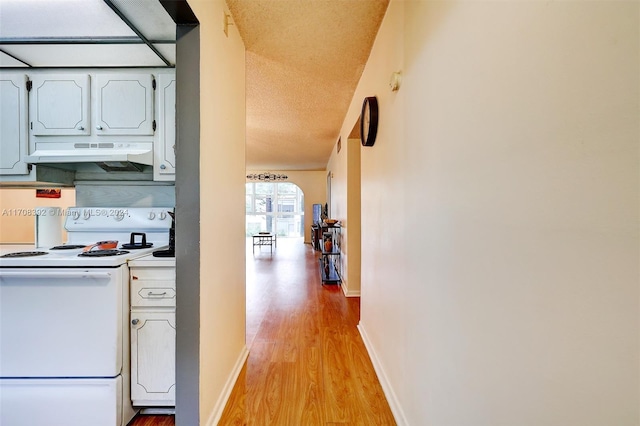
25,254
67,247
102,253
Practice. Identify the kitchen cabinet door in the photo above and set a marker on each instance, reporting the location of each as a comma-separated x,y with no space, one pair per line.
14,139
164,162
124,104
153,348
60,104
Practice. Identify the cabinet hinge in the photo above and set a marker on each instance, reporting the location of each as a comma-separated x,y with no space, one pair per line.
29,85
154,125
153,83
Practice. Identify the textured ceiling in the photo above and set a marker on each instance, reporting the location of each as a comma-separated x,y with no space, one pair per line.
304,60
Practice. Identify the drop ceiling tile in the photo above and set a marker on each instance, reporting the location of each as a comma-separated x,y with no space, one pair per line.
83,55
9,62
60,18
168,51
149,17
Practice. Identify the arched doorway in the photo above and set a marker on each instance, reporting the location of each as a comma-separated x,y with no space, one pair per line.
275,207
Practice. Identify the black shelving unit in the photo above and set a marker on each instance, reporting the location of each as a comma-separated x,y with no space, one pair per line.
329,261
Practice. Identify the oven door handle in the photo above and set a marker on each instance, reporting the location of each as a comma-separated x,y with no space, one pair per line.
57,274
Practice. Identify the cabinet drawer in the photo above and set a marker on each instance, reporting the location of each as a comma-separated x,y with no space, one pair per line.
153,293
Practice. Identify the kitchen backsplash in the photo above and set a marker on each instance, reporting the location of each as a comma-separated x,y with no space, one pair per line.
18,206
125,194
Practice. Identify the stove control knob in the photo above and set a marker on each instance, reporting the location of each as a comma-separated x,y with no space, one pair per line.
152,215
75,214
163,215
86,214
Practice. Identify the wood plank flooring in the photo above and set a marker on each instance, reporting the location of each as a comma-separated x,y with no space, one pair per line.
307,363
153,420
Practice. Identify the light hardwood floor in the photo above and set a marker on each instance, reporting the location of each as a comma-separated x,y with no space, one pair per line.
307,363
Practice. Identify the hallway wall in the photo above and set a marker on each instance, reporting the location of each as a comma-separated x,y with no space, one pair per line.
500,263
346,203
222,292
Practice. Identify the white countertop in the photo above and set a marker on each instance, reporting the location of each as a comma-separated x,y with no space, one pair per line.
68,258
150,260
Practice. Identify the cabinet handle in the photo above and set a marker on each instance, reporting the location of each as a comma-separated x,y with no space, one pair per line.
99,127
80,128
157,294
162,166
135,321
134,277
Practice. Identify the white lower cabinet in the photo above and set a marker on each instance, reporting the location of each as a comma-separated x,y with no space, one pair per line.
153,334
153,348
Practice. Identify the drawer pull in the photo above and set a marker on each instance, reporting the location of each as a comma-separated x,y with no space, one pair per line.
164,293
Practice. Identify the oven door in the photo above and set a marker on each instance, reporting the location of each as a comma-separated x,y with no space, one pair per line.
61,322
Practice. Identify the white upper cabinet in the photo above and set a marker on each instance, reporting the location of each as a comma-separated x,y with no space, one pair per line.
13,124
164,162
124,104
60,105
68,116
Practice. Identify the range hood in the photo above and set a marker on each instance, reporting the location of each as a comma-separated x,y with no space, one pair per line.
108,156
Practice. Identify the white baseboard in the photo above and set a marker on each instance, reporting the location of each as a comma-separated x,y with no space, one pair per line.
216,414
392,399
349,293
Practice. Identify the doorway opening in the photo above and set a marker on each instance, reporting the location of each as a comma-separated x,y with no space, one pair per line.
274,207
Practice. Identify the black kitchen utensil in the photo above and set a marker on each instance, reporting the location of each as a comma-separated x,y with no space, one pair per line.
171,251
102,253
132,245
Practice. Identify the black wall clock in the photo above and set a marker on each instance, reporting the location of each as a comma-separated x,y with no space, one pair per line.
369,121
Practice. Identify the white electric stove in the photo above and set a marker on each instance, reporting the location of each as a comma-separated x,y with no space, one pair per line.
64,329
86,226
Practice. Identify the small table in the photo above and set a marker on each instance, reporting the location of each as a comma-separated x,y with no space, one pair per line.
264,239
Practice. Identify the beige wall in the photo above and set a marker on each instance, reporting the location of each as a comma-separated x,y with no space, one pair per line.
500,286
222,178
313,186
353,236
17,207
345,206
